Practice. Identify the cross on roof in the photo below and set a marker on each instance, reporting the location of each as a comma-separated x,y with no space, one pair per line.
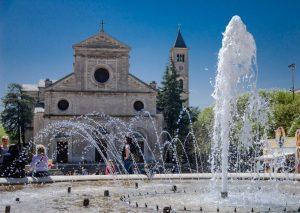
178,26
102,26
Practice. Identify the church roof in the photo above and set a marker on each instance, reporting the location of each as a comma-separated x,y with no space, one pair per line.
141,81
102,40
179,43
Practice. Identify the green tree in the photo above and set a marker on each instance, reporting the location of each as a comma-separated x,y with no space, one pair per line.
169,101
294,127
284,110
17,112
203,127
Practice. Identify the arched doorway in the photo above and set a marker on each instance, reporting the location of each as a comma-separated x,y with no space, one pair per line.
102,144
138,147
62,146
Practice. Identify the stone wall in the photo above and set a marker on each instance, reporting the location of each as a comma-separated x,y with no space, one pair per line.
110,103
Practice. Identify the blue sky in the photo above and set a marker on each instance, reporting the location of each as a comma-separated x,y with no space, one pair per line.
36,37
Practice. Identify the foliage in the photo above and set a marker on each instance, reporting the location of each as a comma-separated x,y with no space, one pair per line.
284,110
17,112
203,129
294,127
176,124
2,131
169,101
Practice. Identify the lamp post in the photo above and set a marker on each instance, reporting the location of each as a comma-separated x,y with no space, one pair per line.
292,67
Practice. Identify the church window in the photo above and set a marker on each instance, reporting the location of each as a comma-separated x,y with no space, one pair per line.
138,105
101,75
180,57
63,105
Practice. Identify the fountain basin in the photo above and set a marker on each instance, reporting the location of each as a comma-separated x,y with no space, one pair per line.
184,176
194,191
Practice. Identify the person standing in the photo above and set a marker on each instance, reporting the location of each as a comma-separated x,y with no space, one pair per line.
126,154
280,136
4,147
297,137
13,165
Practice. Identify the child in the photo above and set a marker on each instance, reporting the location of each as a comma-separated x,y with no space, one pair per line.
39,163
110,168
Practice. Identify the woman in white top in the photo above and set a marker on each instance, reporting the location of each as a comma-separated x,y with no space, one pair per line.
39,163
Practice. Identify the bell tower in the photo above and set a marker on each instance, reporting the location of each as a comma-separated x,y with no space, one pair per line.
179,55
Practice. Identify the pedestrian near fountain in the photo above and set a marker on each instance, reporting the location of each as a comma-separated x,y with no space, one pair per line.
39,163
110,168
280,136
13,165
297,137
4,147
126,154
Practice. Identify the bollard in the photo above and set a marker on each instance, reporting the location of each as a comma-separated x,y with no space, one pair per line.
69,189
86,202
106,193
7,209
136,185
167,209
224,194
174,188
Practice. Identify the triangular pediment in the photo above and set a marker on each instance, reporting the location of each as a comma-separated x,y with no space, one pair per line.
102,41
136,84
67,82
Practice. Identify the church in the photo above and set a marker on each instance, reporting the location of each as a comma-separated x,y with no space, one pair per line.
100,82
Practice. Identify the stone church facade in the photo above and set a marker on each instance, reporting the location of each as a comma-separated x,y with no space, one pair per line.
100,82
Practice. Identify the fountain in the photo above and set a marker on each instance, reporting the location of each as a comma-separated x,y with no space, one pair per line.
235,74
238,139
